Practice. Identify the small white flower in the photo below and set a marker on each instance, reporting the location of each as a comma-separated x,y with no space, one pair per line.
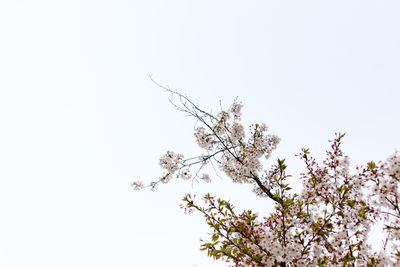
236,110
206,178
166,178
237,132
185,174
137,185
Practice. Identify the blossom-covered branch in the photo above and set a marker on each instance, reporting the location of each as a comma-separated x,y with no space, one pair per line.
326,224
223,140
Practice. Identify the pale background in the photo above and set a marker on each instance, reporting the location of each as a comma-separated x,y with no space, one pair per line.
80,120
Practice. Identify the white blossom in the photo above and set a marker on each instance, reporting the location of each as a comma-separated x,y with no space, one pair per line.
206,178
204,139
185,174
137,185
170,161
236,110
237,132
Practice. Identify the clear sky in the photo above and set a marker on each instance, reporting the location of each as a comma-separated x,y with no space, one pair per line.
80,120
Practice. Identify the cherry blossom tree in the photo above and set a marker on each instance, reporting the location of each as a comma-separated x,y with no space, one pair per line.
325,224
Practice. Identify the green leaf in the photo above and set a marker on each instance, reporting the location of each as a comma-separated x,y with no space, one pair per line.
371,165
215,237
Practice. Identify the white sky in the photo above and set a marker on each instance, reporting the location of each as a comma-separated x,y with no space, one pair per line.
80,120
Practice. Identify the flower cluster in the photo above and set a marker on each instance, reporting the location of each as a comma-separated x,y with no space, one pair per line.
223,138
326,224
204,139
170,161
384,179
137,185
